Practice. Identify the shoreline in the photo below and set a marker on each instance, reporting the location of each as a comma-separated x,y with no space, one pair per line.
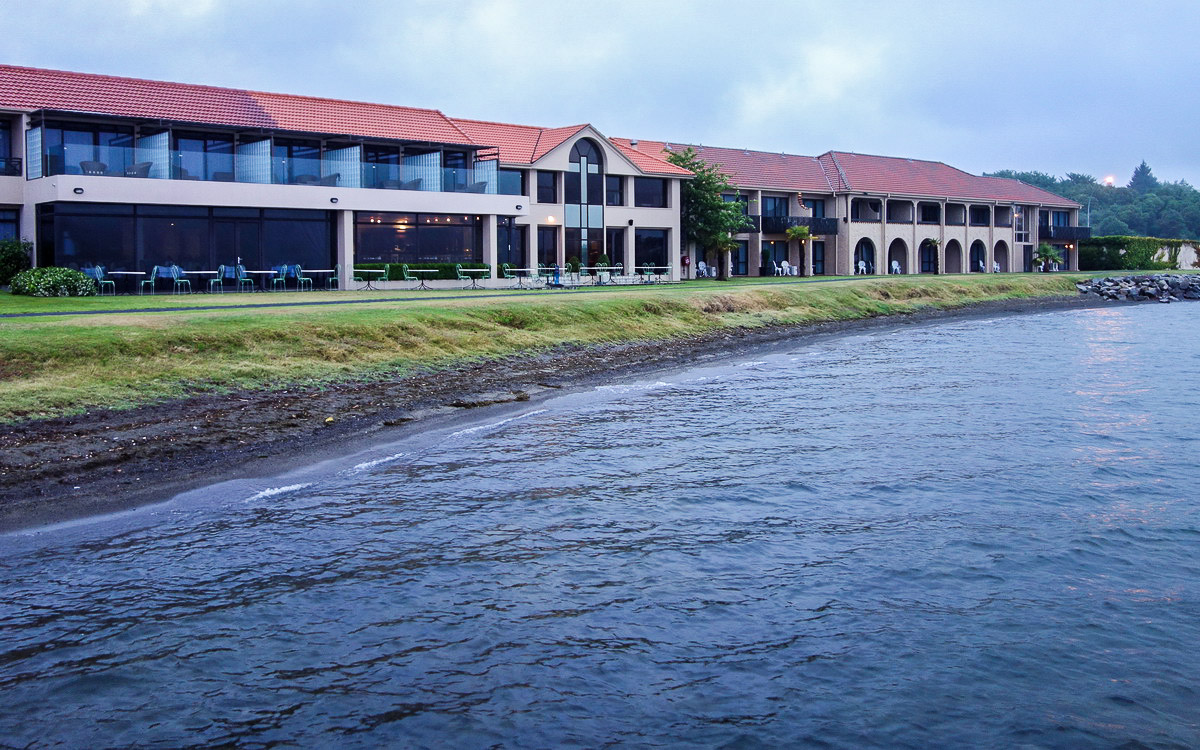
104,461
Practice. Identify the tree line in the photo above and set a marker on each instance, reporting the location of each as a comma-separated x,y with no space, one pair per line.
1144,207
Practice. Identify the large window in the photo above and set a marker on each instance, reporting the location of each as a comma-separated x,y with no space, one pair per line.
818,257
547,246
295,162
9,228
511,181
203,156
614,190
75,148
386,237
614,240
774,250
583,188
741,258
817,206
381,168
124,237
650,192
650,247
774,206
5,139
547,187
1061,218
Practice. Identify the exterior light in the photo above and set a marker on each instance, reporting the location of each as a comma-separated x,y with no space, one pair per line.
550,219
333,200
78,191
1110,181
520,208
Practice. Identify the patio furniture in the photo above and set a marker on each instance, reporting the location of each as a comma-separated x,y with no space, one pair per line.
297,273
777,267
371,275
97,168
458,274
237,274
506,273
424,273
411,184
280,278
895,266
180,281
141,169
330,180
97,273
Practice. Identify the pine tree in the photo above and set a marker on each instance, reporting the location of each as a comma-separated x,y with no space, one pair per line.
1143,180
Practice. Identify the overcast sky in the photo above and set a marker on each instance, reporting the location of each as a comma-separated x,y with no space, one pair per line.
1090,87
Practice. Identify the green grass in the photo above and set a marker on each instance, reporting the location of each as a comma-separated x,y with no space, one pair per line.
61,365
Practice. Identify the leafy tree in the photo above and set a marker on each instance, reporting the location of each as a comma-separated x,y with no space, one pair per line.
1143,180
706,217
1045,255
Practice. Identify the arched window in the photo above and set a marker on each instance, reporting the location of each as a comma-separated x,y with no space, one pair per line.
584,209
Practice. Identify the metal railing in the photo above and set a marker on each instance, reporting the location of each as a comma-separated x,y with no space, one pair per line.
10,166
816,226
1047,232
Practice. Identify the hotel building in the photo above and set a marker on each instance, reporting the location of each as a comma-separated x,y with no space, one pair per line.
882,213
129,173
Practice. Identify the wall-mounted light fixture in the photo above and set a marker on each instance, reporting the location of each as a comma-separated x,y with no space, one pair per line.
631,222
520,208
549,219
78,191
333,200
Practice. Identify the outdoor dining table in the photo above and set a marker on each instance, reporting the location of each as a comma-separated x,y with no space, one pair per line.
265,275
522,275
475,281
202,273
325,271
123,274
652,271
421,279
368,281
610,270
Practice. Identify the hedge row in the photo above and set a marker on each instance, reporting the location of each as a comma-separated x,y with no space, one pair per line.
50,281
1120,252
395,273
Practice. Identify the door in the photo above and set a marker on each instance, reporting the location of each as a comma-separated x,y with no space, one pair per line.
237,242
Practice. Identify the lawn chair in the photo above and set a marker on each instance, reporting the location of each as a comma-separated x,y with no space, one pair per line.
406,276
97,273
297,273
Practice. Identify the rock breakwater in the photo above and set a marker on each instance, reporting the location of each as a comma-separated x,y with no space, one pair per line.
1163,287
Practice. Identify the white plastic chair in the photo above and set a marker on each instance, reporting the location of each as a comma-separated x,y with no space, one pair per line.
895,266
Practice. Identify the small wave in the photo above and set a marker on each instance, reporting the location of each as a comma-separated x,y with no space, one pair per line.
376,462
752,363
274,491
634,387
490,425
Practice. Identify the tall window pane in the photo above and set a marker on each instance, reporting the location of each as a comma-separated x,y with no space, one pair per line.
649,192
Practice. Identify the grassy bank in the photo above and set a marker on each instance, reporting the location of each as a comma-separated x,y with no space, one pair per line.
54,366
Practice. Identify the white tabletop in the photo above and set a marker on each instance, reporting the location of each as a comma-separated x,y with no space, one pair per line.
422,270
369,270
270,272
477,270
201,271
126,273
319,270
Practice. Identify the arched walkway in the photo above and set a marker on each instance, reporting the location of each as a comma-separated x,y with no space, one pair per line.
978,262
929,257
1001,264
864,256
897,257
953,260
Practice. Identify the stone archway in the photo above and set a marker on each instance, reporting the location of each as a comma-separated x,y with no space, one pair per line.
978,262
864,254
1000,257
952,261
928,257
897,257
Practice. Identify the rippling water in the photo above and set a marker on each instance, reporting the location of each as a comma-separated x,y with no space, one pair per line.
979,533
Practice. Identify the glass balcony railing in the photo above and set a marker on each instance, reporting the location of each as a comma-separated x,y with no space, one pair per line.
124,161
10,166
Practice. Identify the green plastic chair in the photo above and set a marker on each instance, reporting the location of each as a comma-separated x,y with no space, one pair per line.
458,272
151,279
243,279
506,273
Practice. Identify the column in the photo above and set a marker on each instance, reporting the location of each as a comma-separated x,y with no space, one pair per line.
629,254
344,235
490,225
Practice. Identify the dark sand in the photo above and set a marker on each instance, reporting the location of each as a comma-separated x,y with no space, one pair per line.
106,461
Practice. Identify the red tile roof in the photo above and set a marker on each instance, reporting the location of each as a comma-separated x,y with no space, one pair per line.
890,174
34,88
646,160
752,169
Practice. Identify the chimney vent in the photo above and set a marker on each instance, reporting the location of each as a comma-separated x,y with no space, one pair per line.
633,143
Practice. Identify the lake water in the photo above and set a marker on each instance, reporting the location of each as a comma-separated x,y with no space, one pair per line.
974,533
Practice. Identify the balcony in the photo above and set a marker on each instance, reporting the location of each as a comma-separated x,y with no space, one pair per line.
257,165
816,226
753,223
1046,232
10,166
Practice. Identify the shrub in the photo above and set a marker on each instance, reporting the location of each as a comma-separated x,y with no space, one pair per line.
14,258
395,273
53,282
573,264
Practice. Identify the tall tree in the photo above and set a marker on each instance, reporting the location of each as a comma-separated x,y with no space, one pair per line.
1143,180
707,218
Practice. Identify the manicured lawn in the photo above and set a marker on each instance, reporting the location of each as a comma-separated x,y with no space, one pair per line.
58,365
